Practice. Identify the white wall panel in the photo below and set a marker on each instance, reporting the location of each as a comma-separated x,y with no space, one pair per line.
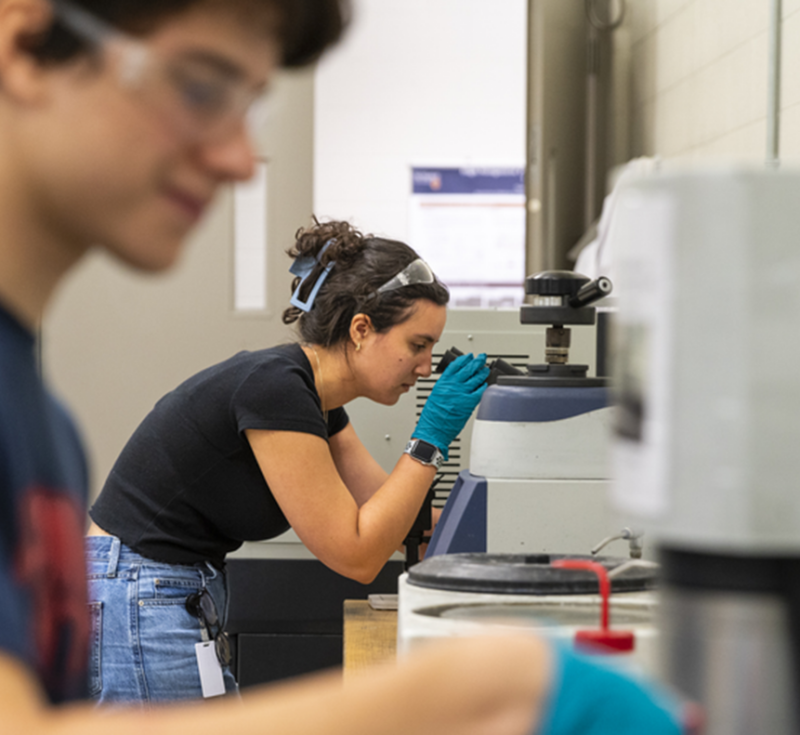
438,82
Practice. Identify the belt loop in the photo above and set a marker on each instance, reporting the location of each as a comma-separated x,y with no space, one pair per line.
213,571
223,578
113,557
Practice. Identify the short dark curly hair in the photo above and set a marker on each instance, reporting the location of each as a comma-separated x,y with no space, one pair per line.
303,28
363,263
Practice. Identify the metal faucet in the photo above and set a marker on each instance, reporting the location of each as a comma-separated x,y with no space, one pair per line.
632,536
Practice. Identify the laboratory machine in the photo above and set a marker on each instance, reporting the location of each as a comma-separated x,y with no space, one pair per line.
706,449
605,605
539,466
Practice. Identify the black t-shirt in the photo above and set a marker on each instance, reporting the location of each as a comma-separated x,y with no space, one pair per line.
187,488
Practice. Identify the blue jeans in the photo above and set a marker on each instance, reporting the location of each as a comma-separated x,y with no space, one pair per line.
143,636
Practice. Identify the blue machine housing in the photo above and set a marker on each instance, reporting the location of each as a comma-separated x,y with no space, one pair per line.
462,526
539,403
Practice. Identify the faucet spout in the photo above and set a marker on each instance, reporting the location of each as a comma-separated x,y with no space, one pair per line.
632,536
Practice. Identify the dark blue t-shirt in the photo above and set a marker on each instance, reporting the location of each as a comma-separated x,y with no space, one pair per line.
43,487
187,488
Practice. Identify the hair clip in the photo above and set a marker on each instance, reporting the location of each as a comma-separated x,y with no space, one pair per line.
302,266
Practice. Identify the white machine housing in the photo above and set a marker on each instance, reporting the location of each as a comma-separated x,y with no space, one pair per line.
547,482
708,283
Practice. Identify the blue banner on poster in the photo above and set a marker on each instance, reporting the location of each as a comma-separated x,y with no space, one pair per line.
468,180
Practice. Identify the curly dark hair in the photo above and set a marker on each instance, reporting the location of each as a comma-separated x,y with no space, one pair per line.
303,28
363,263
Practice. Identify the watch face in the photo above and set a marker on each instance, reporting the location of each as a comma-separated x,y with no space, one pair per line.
424,451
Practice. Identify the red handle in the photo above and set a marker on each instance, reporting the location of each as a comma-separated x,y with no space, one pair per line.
605,639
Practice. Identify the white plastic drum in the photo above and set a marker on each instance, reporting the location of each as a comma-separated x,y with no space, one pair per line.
427,612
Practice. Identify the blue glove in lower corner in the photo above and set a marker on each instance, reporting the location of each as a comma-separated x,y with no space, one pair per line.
452,401
589,697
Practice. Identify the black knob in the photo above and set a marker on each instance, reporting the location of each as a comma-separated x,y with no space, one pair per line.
555,283
564,297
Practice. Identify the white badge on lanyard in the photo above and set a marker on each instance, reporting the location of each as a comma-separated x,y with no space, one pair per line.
210,670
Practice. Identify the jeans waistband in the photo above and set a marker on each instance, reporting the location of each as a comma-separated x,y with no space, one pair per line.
110,549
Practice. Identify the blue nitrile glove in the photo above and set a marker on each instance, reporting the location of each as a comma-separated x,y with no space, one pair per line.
589,697
452,401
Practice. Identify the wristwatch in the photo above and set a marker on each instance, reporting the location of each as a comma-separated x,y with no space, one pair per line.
425,452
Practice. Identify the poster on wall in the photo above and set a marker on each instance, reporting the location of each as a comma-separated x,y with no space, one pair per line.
469,224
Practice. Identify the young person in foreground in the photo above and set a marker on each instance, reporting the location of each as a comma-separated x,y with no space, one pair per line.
118,132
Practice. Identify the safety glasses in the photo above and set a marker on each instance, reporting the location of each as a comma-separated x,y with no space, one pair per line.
197,94
417,271
201,605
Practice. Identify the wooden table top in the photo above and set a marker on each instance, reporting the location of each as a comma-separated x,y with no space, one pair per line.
370,636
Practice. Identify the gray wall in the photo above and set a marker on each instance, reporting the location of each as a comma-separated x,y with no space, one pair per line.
699,79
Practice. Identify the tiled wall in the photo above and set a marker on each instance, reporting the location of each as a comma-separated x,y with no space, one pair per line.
700,74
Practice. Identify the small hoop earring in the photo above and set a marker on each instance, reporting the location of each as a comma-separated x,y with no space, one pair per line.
358,347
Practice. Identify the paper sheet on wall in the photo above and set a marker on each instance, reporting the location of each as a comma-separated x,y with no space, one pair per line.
469,225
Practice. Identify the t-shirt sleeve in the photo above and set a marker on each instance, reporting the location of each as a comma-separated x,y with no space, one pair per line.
279,396
337,420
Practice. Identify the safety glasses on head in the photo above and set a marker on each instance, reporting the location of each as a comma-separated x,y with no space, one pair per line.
203,98
416,272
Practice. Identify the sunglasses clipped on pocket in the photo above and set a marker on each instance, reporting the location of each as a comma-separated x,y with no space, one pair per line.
201,605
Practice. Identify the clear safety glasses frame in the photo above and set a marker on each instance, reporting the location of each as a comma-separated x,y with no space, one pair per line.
198,98
417,271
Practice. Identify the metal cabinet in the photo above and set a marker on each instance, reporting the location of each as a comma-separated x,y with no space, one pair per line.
285,616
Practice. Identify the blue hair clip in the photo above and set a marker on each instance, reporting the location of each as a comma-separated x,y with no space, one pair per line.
302,267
